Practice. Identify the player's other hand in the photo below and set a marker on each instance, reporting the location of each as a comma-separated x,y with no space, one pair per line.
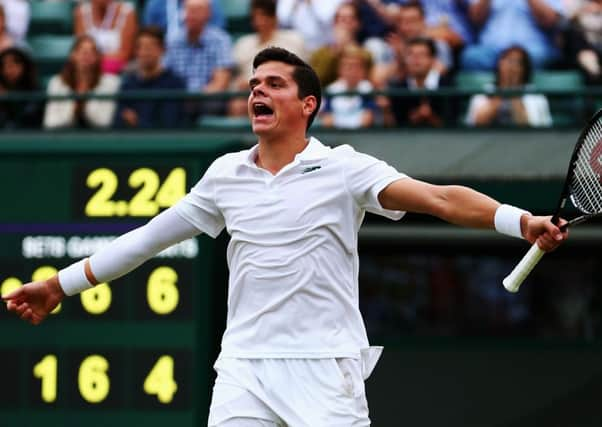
540,229
32,302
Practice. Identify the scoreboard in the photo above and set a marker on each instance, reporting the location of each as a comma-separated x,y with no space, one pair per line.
137,350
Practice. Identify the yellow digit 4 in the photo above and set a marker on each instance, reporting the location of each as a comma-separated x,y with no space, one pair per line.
173,189
160,380
97,300
93,382
161,290
46,370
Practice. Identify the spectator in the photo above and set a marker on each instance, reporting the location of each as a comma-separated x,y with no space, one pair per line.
513,71
265,23
202,56
421,73
18,73
345,32
410,24
18,14
350,111
81,74
169,16
113,25
6,40
503,23
313,19
584,40
148,75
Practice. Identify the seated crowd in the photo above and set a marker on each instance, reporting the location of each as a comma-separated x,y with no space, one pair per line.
370,56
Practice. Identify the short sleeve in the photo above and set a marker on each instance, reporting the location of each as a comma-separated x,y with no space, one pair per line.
366,177
198,207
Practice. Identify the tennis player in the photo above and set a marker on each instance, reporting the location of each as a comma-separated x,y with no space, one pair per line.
295,351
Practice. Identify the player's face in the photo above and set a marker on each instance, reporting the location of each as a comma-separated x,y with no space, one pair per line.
274,105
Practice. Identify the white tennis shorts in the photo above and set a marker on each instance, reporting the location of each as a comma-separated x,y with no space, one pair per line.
291,392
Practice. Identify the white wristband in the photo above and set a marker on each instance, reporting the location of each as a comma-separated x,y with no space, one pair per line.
507,220
73,278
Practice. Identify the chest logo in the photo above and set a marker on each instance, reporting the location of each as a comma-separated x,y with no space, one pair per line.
310,169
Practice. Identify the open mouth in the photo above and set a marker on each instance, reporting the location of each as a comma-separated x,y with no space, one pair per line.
260,109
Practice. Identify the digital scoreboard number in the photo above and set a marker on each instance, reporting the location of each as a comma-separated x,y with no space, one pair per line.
134,351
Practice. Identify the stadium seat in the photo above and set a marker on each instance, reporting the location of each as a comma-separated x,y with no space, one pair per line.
566,110
50,51
237,14
476,80
51,17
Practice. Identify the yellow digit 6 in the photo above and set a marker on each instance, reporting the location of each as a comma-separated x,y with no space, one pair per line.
160,380
93,382
97,300
161,290
42,273
10,284
46,370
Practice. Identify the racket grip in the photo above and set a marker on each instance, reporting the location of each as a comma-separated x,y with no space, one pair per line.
513,281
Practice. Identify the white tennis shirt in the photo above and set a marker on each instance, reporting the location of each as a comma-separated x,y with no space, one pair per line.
293,259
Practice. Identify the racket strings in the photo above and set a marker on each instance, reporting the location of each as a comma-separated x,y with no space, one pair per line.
586,185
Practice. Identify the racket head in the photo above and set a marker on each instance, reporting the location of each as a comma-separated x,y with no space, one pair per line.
583,182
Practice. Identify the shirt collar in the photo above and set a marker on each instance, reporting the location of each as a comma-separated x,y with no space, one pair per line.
314,150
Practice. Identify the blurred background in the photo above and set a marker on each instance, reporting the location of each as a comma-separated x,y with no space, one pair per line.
111,110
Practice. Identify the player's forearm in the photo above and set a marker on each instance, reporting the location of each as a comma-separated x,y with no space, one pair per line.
127,252
466,207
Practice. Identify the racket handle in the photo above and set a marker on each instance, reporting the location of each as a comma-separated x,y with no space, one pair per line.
513,281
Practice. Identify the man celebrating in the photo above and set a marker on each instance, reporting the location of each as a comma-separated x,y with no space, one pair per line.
295,350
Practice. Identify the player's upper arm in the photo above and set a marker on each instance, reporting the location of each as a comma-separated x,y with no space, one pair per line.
412,195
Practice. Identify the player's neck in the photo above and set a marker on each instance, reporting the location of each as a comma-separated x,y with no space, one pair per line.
274,154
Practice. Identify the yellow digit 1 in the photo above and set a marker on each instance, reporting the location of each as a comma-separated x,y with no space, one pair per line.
100,204
160,380
173,189
97,300
42,273
93,382
46,370
161,290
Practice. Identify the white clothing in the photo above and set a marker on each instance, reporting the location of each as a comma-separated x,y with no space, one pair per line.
348,110
293,259
248,46
17,15
99,113
290,392
313,19
536,107
108,34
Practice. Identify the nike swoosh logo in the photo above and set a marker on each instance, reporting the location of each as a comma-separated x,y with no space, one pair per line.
310,169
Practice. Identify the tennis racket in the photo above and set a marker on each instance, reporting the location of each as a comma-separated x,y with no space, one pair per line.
582,186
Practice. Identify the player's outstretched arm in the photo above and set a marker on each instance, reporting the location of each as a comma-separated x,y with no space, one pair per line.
34,301
466,207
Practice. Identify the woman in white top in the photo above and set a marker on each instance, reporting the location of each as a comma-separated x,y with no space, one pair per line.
81,74
113,25
513,71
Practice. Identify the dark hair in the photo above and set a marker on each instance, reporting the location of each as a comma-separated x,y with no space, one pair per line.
29,78
152,31
68,73
424,41
526,63
266,6
306,78
413,4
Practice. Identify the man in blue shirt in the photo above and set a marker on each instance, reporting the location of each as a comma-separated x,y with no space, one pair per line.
150,74
202,55
503,23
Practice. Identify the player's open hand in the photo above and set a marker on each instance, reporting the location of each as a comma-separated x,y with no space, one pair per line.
540,229
32,302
